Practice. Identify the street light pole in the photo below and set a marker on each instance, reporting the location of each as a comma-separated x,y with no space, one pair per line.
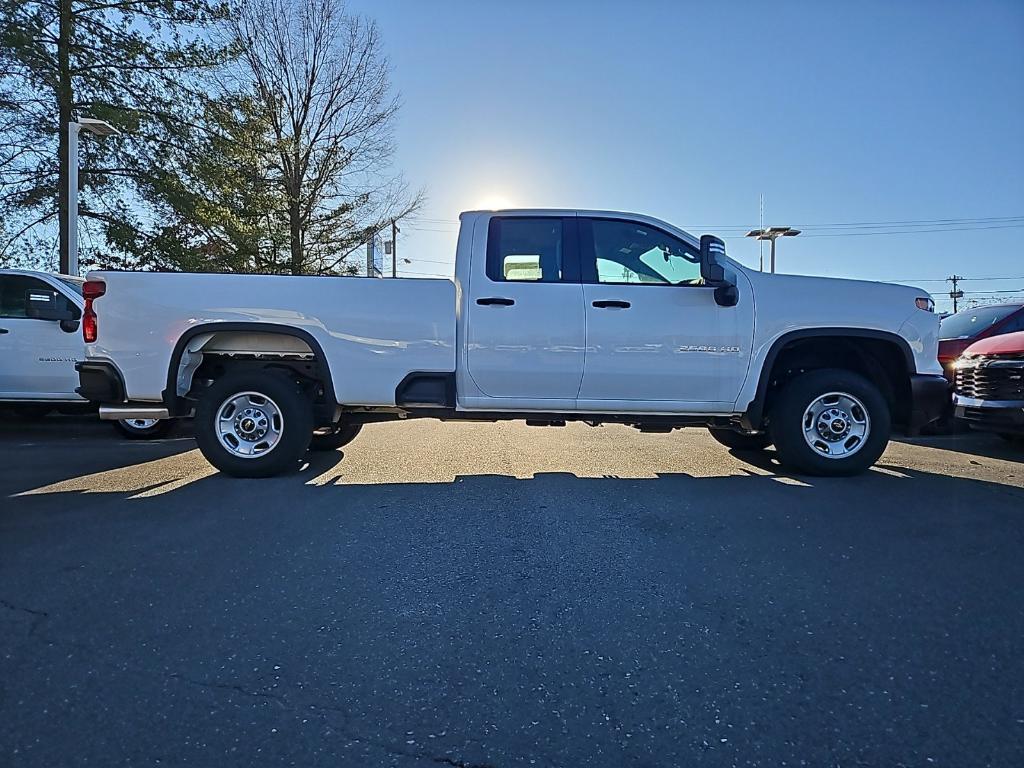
73,129
771,234
97,128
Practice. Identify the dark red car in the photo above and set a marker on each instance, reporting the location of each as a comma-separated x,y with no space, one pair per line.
990,385
957,332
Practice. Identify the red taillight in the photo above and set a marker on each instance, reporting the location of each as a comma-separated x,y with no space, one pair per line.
92,289
89,328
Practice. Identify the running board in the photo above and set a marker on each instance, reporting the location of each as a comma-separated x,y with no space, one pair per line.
118,412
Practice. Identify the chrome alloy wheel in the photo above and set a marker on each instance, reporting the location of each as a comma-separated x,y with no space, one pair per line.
249,424
140,423
836,425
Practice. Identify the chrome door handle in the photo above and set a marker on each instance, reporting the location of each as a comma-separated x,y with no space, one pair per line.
611,304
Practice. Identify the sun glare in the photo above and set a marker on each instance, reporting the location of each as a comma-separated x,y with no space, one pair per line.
493,202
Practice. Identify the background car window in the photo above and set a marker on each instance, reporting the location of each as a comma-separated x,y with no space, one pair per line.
12,293
1014,324
626,252
525,249
970,322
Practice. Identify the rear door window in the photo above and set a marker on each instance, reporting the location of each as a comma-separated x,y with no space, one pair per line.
529,249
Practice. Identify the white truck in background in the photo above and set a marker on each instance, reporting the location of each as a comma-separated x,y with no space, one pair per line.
40,344
553,316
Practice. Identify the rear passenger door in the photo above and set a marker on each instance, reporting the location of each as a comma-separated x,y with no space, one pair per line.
526,333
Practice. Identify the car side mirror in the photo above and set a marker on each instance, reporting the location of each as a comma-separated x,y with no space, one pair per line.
43,304
712,249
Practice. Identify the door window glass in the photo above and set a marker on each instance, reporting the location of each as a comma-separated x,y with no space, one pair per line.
525,249
626,252
12,293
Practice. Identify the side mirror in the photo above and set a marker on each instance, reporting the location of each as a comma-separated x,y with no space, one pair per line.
711,270
43,304
711,248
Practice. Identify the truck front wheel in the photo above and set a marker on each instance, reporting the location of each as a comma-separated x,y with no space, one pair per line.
830,422
254,424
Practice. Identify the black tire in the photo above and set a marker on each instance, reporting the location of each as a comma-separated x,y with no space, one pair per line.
295,410
133,431
738,441
332,438
786,423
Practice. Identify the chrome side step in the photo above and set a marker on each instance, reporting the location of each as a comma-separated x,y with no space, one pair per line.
118,412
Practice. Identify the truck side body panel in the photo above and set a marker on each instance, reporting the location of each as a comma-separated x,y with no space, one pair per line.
372,332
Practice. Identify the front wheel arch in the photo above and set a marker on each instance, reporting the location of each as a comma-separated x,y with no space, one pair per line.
883,357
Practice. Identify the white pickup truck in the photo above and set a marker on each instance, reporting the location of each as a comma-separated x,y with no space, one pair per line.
40,344
553,315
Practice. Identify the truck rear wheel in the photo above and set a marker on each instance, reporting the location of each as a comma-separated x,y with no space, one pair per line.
254,424
830,422
740,441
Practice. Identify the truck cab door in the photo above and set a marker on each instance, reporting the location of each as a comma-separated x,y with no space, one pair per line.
37,357
525,335
656,338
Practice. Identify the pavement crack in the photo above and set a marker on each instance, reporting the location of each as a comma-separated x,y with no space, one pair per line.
280,700
459,763
37,616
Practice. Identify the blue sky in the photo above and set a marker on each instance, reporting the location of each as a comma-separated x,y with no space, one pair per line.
837,112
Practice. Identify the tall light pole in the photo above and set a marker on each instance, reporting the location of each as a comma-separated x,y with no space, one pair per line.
772,233
97,128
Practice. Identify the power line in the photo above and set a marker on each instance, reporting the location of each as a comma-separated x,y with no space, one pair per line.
913,231
833,225
942,280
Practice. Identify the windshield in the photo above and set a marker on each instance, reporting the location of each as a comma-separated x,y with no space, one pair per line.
74,283
971,322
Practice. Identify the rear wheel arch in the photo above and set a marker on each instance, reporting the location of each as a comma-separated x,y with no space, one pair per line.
180,380
884,358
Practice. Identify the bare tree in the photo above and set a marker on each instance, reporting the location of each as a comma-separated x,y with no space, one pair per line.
321,83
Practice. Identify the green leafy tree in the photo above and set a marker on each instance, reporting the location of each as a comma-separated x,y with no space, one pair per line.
133,63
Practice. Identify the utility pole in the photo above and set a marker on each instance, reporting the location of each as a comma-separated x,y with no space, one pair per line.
956,293
760,243
394,247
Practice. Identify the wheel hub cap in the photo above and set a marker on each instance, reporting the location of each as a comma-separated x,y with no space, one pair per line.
836,425
249,424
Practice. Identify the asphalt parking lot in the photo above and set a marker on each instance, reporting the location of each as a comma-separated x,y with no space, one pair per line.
499,595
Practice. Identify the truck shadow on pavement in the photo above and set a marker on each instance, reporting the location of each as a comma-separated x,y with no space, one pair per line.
980,444
494,620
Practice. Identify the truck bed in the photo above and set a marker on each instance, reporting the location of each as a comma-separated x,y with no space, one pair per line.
373,333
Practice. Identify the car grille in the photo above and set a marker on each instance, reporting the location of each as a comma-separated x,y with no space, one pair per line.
988,377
